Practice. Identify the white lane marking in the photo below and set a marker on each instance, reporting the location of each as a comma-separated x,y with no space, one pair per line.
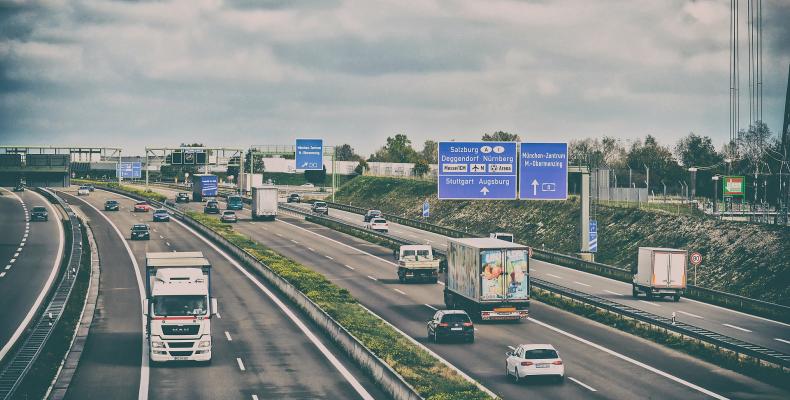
348,266
301,325
2,274
614,293
17,254
24,239
294,241
650,302
372,278
167,243
579,283
555,276
227,335
400,291
241,364
161,237
691,315
584,385
252,223
310,248
142,393
36,304
630,360
19,249
329,257
278,234
254,397
737,327
782,340
440,282
7,267
511,348
218,316
431,307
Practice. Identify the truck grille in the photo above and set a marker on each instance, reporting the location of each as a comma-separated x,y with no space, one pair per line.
180,329
180,345
180,353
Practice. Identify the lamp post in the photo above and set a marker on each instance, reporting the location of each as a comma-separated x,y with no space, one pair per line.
728,161
693,171
715,179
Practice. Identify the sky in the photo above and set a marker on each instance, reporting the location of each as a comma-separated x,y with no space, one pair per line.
236,73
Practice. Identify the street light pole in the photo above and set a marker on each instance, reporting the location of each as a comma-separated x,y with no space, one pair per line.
715,196
693,171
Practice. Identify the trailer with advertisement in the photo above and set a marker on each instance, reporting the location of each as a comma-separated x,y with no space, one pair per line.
204,185
488,278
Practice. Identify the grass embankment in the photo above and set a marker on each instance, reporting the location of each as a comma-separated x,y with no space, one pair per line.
38,379
148,194
282,178
741,258
431,378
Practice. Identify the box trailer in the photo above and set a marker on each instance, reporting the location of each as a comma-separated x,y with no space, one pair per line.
264,202
204,185
660,272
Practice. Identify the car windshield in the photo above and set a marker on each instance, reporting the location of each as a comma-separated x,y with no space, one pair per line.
180,305
541,354
320,204
39,209
453,318
375,212
160,212
83,187
140,228
418,253
111,202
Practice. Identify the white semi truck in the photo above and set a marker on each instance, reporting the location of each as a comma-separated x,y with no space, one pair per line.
660,272
264,202
179,306
488,278
417,262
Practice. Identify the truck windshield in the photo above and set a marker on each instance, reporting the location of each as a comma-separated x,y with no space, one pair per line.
418,253
180,305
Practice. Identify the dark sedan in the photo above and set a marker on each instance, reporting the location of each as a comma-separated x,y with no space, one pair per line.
111,205
161,215
140,232
39,213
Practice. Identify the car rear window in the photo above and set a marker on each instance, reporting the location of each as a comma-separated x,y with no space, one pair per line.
112,202
379,221
39,209
320,204
140,228
541,354
229,213
212,204
450,318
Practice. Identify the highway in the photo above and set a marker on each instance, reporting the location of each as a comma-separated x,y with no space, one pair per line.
595,355
259,351
30,253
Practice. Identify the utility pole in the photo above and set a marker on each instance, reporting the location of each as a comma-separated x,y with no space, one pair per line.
693,171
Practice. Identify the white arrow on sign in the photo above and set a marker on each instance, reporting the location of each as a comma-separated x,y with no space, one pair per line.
534,187
484,191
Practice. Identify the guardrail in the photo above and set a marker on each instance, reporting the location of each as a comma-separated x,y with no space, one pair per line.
19,364
379,370
704,335
729,300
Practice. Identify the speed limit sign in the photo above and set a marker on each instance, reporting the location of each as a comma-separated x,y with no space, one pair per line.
695,258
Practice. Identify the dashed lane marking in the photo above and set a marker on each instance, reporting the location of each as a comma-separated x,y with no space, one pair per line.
431,307
737,327
584,385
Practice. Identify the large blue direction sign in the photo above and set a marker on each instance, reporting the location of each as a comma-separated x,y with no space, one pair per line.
543,170
477,170
309,154
593,236
129,170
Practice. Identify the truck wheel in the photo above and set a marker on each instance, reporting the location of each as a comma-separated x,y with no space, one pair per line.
434,280
676,298
449,301
634,292
401,278
649,294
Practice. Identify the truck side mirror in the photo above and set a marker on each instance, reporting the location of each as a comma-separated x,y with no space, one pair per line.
145,307
214,308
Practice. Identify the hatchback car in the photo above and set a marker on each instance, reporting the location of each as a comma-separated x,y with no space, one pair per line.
161,215
142,206
140,232
211,207
182,198
111,205
229,216
372,214
447,324
378,225
534,360
320,207
294,198
83,191
39,213
91,188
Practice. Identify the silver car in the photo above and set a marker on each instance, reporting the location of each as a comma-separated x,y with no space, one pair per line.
229,216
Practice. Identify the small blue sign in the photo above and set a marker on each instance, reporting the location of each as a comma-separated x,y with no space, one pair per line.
309,154
477,170
593,236
129,170
426,209
543,169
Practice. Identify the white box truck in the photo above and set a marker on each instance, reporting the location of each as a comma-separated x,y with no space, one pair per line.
417,262
488,278
264,202
660,272
178,306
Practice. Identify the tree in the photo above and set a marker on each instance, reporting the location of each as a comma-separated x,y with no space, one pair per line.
421,167
430,151
606,153
316,177
345,152
398,150
258,167
500,136
693,150
752,145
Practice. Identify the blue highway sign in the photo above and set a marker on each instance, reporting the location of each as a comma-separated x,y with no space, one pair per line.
543,170
593,236
477,170
129,170
309,154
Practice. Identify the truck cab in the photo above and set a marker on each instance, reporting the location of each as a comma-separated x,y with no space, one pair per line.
235,202
179,306
417,262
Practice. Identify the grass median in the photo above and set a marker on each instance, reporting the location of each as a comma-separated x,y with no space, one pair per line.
430,377
148,194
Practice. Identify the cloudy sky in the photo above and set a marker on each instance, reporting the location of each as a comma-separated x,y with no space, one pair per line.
242,72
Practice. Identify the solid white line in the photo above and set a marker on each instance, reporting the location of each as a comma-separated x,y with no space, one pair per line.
579,283
737,327
400,291
47,285
348,266
631,360
614,293
329,257
782,340
227,335
691,315
431,307
588,387
649,302
372,278
142,393
241,364
555,276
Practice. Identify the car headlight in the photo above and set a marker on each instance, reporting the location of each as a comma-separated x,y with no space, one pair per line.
204,343
157,345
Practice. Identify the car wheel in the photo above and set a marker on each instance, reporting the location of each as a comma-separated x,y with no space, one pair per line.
471,339
634,292
676,298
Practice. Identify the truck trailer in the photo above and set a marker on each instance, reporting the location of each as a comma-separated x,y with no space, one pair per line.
178,306
417,262
488,278
204,185
660,272
264,202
